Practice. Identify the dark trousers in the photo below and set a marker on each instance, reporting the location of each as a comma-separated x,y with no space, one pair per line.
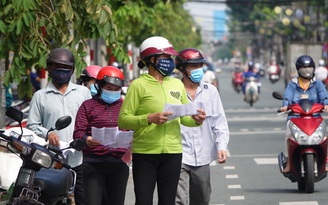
105,183
149,169
78,191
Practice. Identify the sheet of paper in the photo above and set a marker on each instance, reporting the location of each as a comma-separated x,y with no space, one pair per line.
183,110
112,137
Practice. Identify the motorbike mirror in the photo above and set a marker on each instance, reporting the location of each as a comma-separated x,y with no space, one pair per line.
77,144
15,114
277,95
63,122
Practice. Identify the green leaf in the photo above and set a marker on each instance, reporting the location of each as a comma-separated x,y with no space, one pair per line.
19,26
3,26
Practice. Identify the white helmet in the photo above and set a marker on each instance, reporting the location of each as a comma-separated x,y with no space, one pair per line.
321,62
154,46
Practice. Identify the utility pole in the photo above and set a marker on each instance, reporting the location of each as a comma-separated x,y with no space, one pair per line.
3,95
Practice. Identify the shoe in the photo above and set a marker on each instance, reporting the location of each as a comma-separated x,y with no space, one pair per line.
287,167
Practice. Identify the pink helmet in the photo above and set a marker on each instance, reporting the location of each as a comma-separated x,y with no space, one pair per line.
155,45
91,71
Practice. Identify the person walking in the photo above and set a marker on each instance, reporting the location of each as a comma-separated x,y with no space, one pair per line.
156,147
60,97
103,168
88,78
206,143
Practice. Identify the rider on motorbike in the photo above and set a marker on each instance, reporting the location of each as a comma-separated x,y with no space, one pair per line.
303,87
250,73
321,73
88,78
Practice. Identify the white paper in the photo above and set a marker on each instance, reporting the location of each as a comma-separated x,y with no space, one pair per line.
183,110
112,137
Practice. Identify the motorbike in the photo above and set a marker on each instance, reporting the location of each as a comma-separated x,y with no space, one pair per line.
251,90
237,81
307,144
44,176
274,73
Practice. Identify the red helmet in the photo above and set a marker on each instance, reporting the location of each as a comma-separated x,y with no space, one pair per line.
111,74
155,45
188,55
91,71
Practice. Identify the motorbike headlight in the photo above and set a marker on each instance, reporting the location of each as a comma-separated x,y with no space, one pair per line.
42,158
304,139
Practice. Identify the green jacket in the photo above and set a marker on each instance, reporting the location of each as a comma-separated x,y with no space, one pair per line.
146,95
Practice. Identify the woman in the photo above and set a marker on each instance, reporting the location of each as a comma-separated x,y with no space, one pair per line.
104,170
88,78
156,148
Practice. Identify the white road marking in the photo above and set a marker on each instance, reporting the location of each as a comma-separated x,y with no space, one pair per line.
266,160
234,186
300,203
237,198
232,176
229,167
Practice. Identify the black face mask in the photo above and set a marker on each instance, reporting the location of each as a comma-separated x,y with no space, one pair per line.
60,75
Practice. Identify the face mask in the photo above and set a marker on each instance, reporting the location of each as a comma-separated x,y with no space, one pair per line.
110,96
205,68
196,75
93,89
60,75
165,66
306,73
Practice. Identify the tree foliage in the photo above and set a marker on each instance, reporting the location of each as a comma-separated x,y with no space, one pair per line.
29,29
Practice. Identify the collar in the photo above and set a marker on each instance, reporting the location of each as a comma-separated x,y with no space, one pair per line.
52,88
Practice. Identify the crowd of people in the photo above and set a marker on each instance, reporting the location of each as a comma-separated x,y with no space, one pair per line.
172,152
163,149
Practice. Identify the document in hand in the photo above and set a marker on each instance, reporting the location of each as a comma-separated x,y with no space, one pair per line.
112,137
183,110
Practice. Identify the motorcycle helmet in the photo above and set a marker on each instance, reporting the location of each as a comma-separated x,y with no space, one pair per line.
250,66
302,63
188,55
111,74
61,56
155,45
88,73
321,62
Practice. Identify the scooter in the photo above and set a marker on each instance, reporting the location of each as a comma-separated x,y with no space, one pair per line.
307,145
251,90
237,81
44,177
274,73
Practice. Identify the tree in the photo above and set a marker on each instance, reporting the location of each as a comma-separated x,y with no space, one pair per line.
29,29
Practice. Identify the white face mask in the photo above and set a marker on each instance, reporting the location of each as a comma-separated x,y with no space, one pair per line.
306,72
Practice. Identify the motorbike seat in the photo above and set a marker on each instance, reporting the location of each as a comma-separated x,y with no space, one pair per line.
54,182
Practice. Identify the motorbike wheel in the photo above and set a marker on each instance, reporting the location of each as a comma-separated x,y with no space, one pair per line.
309,173
251,99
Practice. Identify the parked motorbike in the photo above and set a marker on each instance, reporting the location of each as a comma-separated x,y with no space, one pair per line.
44,177
274,73
237,80
307,145
251,90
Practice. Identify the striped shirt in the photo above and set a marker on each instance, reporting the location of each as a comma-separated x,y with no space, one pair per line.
97,113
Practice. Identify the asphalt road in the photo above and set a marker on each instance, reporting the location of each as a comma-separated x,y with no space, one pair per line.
251,175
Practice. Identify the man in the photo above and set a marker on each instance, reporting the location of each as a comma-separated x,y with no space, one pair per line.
60,97
206,143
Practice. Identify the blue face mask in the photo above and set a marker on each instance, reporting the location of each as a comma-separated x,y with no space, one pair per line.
196,75
93,89
110,96
165,66
205,68
60,75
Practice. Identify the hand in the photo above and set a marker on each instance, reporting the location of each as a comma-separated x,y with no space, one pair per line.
159,117
200,117
222,156
283,109
92,143
53,139
326,108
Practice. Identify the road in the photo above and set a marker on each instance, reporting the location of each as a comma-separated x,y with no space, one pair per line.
251,175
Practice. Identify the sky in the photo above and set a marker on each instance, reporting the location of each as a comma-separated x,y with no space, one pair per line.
211,17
